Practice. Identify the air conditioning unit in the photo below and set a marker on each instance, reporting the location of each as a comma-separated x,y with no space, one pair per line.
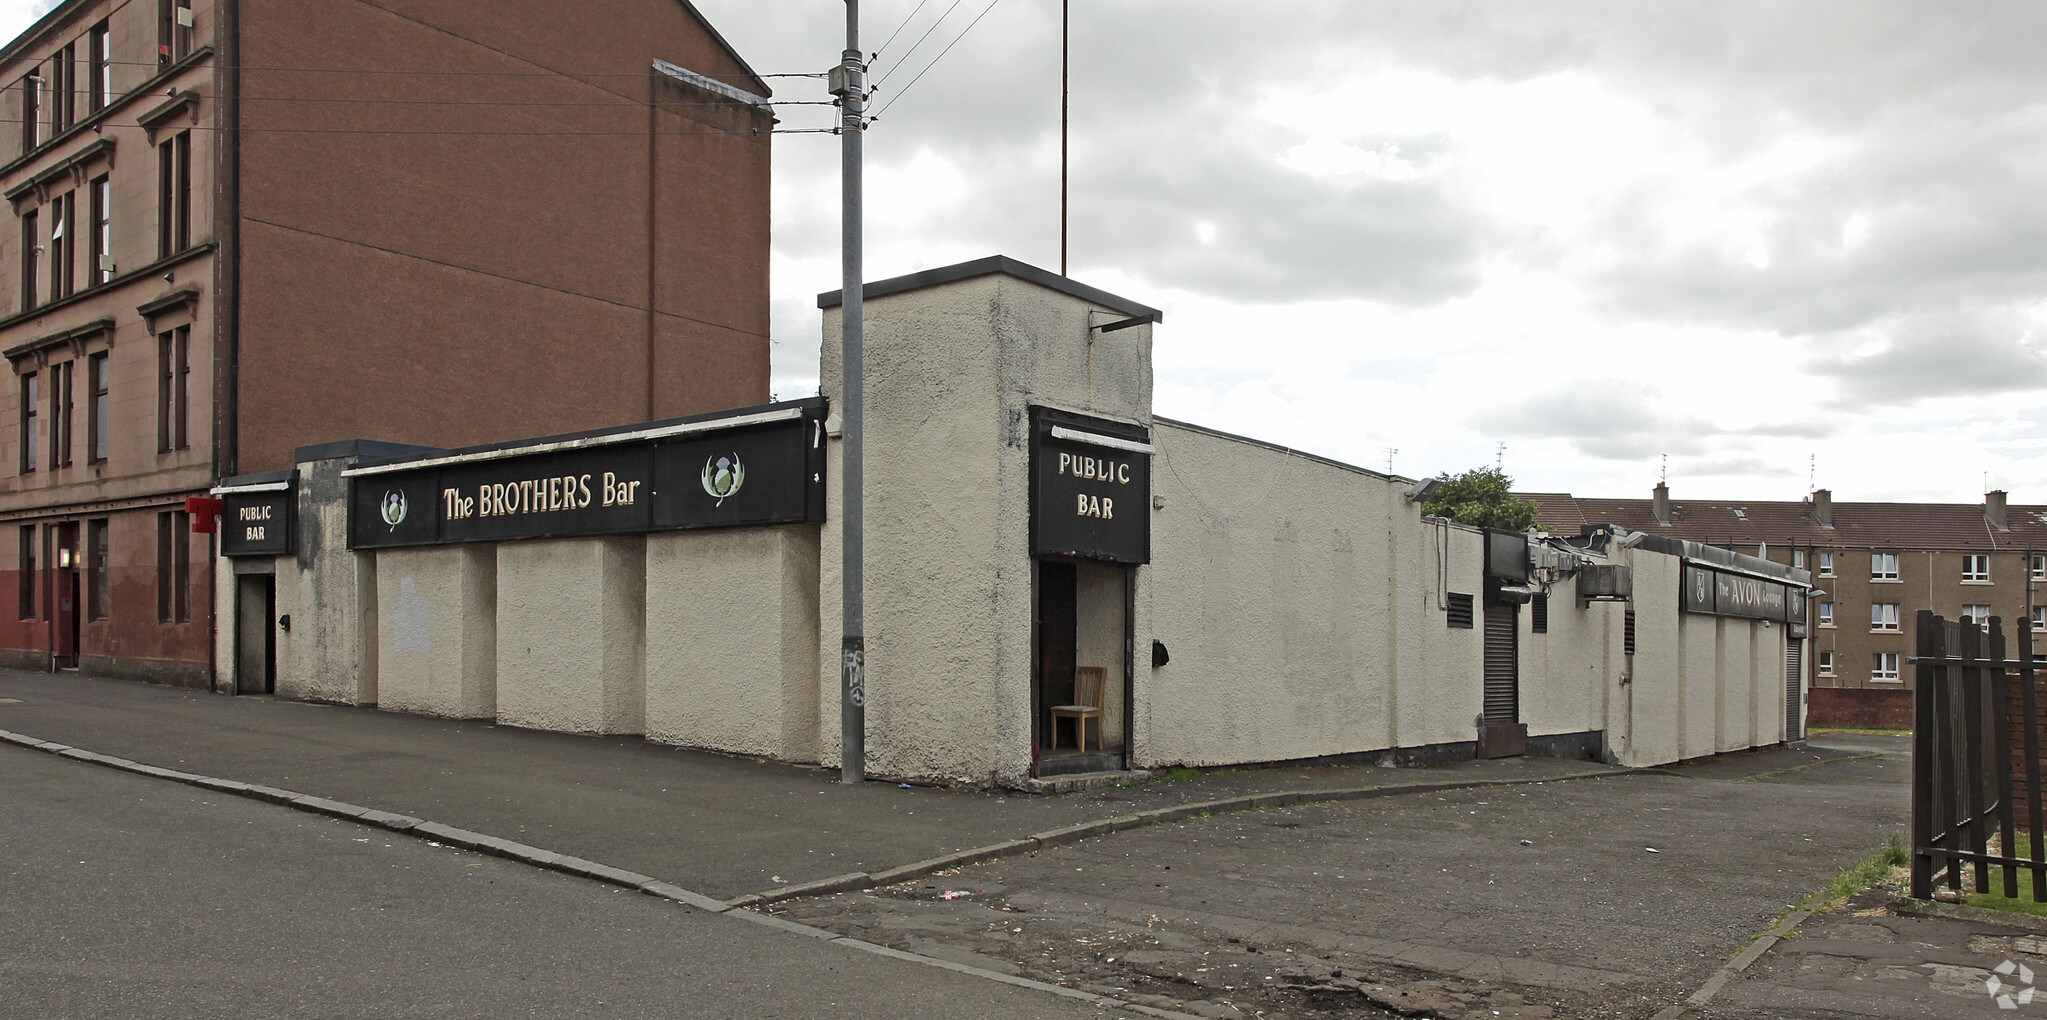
106,263
1605,581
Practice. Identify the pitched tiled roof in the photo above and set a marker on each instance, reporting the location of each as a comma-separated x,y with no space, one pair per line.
1780,523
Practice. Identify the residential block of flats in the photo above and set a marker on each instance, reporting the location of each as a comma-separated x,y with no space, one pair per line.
244,226
1874,566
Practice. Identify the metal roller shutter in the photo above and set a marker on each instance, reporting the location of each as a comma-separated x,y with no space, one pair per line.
1502,675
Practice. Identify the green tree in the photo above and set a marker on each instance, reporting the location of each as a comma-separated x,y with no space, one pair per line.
1479,497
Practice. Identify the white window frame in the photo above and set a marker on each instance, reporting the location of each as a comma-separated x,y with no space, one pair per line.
1826,564
1883,668
1798,559
1826,614
1975,567
1880,620
1883,566
2039,567
1982,619
1826,662
2039,619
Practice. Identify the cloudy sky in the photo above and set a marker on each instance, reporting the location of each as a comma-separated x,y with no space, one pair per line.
1745,236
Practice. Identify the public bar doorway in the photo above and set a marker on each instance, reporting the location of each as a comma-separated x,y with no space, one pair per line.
1081,667
255,634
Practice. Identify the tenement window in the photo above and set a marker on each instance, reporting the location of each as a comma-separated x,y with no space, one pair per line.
98,57
30,433
1826,663
1883,566
1798,559
2040,568
31,259
1826,614
99,262
25,561
1883,616
173,568
63,90
173,30
1975,566
98,412
1826,564
97,577
60,413
63,223
1977,614
32,110
174,195
1884,668
174,389
2039,619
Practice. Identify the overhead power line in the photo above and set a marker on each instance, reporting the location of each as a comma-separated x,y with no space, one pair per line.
918,43
900,93
876,55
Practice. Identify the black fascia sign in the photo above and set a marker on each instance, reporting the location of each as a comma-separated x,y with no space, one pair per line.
1506,555
1090,500
1721,593
760,474
257,523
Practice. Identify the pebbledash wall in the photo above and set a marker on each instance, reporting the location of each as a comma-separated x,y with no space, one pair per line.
1280,606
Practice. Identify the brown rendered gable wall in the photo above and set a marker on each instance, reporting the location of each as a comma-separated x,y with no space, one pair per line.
464,263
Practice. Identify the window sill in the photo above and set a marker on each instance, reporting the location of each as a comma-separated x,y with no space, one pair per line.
1885,630
99,117
1984,581
1886,580
152,269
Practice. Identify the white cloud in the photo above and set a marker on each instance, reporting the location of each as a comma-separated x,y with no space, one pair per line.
1746,235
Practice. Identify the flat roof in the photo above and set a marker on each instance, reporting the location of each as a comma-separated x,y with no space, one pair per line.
987,267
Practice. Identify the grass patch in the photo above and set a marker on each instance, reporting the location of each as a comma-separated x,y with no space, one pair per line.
1888,867
1877,870
1866,732
1177,773
2023,904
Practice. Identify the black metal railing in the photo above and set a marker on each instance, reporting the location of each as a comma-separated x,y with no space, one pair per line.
1968,787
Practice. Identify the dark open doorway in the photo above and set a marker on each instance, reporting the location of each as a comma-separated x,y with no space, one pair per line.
1080,667
255,634
64,597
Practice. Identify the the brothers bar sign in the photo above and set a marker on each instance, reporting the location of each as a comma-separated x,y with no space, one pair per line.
1091,488
763,466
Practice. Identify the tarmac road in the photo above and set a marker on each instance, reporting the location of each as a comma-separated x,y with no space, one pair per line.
1629,893
131,897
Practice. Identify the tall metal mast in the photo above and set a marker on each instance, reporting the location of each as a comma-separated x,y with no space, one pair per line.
853,642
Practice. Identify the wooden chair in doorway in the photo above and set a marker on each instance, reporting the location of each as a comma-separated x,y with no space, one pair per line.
1087,696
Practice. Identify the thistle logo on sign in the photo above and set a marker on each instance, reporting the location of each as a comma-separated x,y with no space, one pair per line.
394,508
723,476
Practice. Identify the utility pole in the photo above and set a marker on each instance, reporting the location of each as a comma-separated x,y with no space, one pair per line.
851,85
